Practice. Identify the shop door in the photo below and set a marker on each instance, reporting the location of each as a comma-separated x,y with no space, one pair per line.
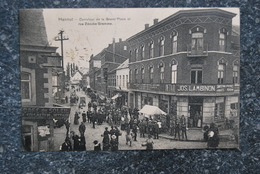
196,110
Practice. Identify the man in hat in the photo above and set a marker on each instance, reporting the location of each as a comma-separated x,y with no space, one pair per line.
97,146
82,129
84,116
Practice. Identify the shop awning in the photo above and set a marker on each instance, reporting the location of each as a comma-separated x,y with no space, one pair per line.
116,96
151,110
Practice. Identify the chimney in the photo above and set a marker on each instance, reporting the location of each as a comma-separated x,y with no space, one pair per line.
155,21
120,39
146,26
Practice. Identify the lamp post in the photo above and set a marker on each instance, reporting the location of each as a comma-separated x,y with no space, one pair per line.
61,38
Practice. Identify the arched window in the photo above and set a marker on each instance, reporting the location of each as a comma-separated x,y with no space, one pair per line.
235,72
222,39
151,49
142,52
197,40
151,74
174,71
221,70
136,54
161,67
161,46
136,75
174,42
142,74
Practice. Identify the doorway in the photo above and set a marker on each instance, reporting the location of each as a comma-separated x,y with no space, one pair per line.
196,110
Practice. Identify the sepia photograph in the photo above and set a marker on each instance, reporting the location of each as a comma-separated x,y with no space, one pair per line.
110,79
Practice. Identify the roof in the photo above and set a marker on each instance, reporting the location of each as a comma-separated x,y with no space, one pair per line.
32,27
181,13
123,65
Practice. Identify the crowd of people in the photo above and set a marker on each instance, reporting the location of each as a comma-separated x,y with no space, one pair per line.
125,119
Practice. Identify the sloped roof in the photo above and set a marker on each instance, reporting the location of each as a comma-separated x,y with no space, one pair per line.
32,27
123,65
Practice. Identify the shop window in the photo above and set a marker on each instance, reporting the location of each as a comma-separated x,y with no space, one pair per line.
161,46
234,109
151,74
219,111
174,42
196,76
223,39
151,49
26,86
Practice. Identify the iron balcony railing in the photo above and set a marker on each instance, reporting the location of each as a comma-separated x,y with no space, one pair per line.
197,51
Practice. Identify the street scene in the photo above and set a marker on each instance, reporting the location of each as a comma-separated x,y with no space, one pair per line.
89,82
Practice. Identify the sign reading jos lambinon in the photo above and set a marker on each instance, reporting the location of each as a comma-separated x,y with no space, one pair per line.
129,79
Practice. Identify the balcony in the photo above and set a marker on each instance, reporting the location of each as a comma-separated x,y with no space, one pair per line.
199,51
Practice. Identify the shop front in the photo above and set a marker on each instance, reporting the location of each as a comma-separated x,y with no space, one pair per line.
38,127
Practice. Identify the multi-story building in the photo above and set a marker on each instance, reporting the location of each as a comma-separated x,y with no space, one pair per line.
185,64
42,83
94,71
111,57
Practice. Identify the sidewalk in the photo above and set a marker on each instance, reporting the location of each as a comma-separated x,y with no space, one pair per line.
196,135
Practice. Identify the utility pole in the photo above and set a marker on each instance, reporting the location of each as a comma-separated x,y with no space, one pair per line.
61,38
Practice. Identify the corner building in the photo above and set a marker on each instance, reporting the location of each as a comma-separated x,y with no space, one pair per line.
187,64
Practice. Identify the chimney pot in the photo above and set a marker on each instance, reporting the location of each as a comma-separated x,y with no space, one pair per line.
146,26
155,21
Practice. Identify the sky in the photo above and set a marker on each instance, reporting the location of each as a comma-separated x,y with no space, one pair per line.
87,36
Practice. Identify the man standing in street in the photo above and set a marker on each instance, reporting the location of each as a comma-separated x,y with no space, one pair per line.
183,127
82,129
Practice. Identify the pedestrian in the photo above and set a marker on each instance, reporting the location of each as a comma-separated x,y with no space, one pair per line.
134,130
177,129
114,143
97,146
66,99
183,127
82,143
76,119
206,132
149,143
89,105
196,118
106,141
66,146
82,129
84,115
213,137
156,130
93,119
67,125
142,129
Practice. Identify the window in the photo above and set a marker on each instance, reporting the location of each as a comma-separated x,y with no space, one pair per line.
161,46
126,79
130,55
174,42
136,75
151,49
142,52
223,39
142,74
235,73
221,70
123,80
130,76
151,74
196,76
174,74
120,81
197,42
26,86
136,54
161,67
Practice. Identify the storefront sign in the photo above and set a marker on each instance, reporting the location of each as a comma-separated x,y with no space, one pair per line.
196,88
45,113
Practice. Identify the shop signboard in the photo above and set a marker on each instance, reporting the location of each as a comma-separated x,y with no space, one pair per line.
45,113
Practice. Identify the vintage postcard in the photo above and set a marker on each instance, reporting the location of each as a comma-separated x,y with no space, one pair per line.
129,79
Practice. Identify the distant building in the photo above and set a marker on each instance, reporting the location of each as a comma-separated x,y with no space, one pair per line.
76,78
94,71
186,64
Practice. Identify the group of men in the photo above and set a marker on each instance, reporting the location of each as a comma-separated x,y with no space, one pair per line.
179,125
